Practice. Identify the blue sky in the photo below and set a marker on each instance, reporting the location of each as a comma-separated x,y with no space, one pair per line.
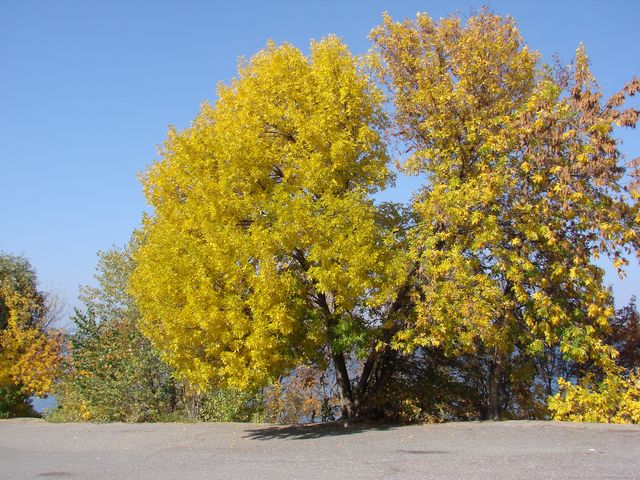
87,90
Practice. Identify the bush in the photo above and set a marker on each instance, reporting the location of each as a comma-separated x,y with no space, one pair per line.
615,399
230,405
15,403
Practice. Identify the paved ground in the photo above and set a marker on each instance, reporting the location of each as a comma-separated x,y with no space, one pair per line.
33,449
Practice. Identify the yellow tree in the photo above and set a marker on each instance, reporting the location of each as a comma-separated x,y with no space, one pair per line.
524,189
265,250
30,351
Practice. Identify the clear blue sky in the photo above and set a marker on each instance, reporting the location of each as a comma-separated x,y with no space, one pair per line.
87,90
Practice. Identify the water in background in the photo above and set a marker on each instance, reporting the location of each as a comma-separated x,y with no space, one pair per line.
42,404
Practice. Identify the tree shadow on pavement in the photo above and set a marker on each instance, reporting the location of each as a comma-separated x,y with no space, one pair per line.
317,430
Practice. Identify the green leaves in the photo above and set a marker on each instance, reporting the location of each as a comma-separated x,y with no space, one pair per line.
113,373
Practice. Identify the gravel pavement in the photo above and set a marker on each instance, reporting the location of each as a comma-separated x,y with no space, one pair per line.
34,449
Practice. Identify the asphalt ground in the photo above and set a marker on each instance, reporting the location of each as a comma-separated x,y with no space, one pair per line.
34,449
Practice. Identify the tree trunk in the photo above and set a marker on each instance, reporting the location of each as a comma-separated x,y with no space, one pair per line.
493,406
375,371
344,387
350,401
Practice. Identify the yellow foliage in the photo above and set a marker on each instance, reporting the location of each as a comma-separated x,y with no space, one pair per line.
29,356
515,192
616,399
265,249
264,235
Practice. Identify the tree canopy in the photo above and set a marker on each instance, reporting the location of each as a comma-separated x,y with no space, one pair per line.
525,188
266,250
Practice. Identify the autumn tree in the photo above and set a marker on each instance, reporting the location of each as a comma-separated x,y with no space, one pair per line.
29,349
523,190
265,250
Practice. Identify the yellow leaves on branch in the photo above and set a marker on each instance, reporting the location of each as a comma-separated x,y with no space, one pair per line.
615,399
29,356
454,85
